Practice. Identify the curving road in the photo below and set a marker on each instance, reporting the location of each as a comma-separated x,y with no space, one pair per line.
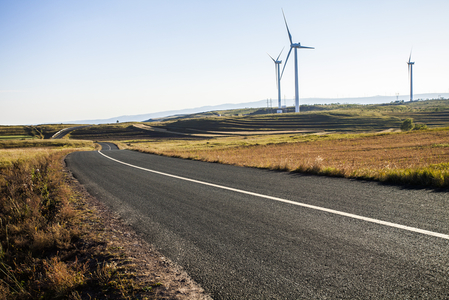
63,132
245,233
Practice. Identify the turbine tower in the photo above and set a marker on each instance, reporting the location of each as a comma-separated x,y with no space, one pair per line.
295,46
410,73
277,66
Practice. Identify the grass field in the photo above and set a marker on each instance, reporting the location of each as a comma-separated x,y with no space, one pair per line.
417,157
15,150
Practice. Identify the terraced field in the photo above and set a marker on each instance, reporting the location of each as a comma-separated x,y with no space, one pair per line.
325,121
330,118
116,132
344,118
30,132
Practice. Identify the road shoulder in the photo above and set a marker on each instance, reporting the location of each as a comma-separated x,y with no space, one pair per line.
150,268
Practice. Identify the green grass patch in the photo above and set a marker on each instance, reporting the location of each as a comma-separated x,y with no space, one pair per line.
434,175
17,137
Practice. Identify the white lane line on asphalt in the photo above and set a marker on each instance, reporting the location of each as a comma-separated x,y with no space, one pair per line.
109,146
336,212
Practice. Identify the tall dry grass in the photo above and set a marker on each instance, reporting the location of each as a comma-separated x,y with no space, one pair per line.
47,246
36,221
419,157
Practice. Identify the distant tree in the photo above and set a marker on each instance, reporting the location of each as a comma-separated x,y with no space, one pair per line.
407,125
117,121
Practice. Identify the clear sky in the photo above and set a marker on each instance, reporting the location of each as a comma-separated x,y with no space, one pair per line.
74,60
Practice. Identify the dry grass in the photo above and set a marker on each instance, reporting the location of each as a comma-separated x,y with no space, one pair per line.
15,150
8,156
419,157
37,143
48,249
36,220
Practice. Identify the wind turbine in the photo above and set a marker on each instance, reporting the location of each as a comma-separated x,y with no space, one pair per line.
410,73
277,66
295,46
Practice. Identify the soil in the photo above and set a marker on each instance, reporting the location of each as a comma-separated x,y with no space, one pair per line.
149,267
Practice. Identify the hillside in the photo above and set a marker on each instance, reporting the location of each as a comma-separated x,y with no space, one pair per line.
261,104
313,118
334,117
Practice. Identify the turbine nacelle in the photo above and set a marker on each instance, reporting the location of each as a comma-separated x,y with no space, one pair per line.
298,45
278,62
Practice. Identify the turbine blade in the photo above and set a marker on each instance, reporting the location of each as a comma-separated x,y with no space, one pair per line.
286,61
280,54
271,57
289,35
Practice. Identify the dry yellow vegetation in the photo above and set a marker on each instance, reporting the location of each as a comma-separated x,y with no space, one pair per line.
52,244
418,157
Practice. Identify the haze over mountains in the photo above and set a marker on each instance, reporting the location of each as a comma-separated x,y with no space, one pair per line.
262,103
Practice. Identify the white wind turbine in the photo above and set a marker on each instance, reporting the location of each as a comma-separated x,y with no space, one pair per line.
277,66
410,73
295,46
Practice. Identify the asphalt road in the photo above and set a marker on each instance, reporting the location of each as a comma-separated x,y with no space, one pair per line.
241,245
63,132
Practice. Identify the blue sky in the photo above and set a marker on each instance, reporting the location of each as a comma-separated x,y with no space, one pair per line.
75,60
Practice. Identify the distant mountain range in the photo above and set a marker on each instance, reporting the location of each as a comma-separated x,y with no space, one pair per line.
261,103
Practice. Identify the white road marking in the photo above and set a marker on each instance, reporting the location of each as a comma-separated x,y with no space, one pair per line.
336,212
109,146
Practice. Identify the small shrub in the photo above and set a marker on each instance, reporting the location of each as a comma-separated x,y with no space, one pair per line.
105,272
60,277
420,127
407,125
